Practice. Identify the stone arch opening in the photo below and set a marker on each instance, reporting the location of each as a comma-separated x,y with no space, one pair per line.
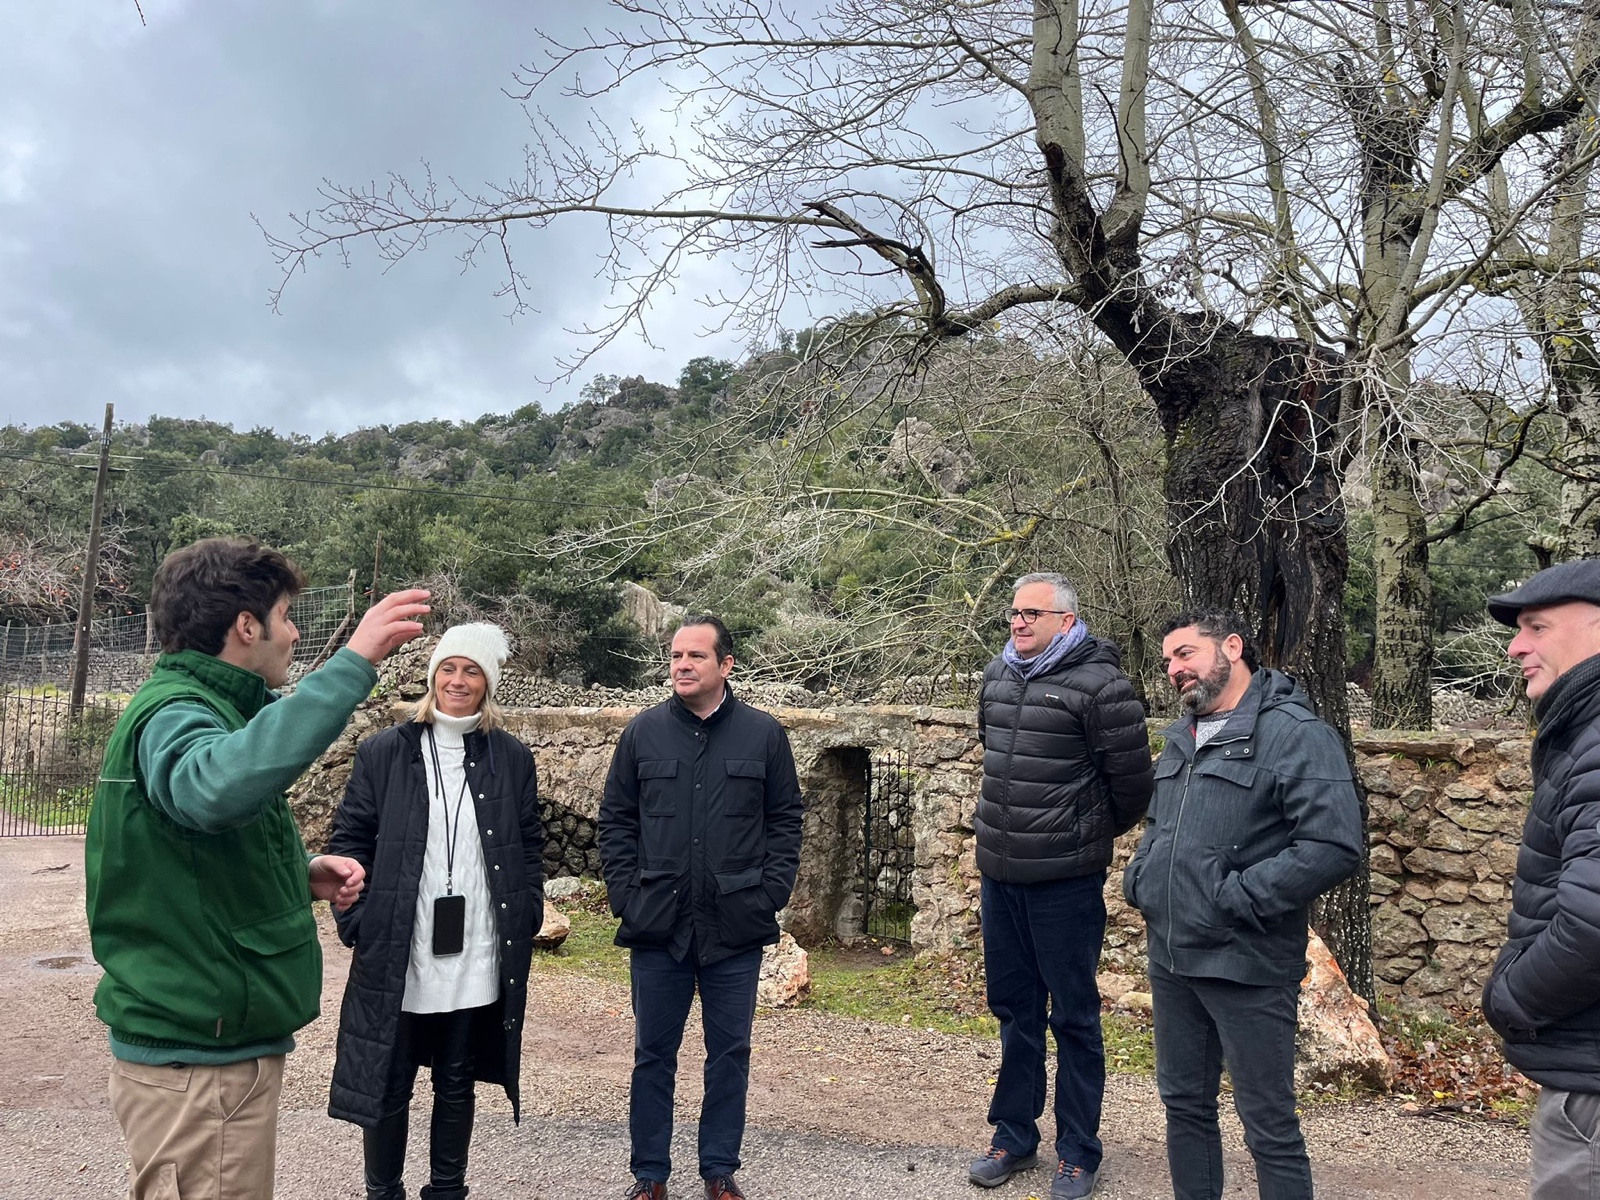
857,852
827,901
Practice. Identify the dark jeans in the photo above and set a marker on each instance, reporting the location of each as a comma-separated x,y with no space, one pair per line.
449,1039
1202,1024
663,989
1041,946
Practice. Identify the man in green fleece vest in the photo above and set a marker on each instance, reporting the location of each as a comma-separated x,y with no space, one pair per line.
199,888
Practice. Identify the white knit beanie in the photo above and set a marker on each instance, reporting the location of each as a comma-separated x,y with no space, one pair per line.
484,644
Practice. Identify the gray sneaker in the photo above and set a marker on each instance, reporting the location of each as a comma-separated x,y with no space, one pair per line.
1071,1183
997,1165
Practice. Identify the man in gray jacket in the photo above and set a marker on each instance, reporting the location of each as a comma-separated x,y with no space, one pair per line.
1255,815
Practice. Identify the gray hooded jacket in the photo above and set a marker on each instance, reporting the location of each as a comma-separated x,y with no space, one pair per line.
1243,835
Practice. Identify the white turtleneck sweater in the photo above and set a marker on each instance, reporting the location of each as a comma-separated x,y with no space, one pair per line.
472,978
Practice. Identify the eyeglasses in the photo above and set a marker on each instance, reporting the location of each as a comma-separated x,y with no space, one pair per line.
1030,615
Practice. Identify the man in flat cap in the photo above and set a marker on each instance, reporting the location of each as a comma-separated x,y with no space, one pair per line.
1543,996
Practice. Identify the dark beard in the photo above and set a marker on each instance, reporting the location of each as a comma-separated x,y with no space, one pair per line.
1202,697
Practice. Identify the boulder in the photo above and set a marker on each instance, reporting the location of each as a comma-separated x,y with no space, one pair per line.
554,930
563,887
785,977
1114,986
1337,1043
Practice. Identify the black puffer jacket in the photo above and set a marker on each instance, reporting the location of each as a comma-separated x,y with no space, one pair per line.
1543,996
1066,766
382,822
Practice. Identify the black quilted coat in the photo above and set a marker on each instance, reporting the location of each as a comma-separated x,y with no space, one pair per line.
1066,766
382,822
1543,996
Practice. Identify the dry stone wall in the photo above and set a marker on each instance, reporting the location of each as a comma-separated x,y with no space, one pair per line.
1445,822
1445,814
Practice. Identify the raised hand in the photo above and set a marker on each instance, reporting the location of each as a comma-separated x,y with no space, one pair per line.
389,623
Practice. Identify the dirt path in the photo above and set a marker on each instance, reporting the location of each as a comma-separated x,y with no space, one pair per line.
838,1107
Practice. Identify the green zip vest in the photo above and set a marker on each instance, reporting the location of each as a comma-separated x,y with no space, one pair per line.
207,939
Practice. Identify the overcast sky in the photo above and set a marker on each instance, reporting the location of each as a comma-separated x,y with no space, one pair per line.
132,158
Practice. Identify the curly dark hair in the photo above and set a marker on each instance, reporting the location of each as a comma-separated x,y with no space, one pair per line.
1218,624
199,591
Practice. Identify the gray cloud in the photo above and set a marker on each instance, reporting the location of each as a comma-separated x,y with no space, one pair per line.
132,158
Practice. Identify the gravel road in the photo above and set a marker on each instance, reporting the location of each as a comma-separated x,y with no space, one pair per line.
838,1107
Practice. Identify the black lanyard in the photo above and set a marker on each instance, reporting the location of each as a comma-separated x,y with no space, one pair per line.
450,830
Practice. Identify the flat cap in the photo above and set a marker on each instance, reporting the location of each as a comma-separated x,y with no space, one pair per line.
1554,585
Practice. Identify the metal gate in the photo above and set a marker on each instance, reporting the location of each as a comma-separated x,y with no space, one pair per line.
49,760
889,850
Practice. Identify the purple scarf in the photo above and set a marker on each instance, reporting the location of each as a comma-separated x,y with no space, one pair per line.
1050,656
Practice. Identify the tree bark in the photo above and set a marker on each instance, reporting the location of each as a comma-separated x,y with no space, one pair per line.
1402,693
1256,523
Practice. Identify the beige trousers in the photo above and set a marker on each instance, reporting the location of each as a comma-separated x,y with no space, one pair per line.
199,1133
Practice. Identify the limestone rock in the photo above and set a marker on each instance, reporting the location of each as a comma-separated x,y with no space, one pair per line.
1337,1042
563,887
1394,933
785,976
1113,987
1467,922
554,930
915,448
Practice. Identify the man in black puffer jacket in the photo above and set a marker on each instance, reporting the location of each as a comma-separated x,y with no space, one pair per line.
1543,996
1066,768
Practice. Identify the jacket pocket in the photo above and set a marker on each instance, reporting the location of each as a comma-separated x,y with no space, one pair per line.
746,786
1234,812
744,910
652,909
282,965
1197,919
658,790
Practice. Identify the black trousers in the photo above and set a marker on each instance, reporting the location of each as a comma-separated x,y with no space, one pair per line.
1041,943
449,1038
1200,1025
663,989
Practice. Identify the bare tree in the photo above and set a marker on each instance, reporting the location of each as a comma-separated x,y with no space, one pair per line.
883,519
1208,185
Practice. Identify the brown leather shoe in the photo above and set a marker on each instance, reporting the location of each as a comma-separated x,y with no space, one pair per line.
722,1187
647,1189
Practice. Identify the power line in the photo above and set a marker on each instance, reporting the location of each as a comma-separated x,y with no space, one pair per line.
348,485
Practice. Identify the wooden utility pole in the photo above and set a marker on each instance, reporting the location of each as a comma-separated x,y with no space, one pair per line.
91,572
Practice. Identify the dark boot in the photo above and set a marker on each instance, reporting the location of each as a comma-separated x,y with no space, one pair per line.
383,1149
449,1139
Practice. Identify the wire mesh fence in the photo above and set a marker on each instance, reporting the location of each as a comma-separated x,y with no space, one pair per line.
50,755
121,648
50,760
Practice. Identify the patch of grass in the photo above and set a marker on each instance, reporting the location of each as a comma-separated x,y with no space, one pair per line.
922,992
1130,1043
44,806
588,949
931,991
945,993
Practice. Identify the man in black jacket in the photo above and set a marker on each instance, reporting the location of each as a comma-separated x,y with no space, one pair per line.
1543,996
1066,768
1255,815
700,843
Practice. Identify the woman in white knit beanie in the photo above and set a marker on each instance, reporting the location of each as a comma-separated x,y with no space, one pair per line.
443,812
